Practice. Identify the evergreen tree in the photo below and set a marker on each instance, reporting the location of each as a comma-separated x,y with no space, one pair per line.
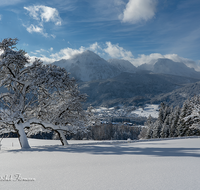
157,129
164,111
149,123
158,124
165,128
183,127
191,119
174,117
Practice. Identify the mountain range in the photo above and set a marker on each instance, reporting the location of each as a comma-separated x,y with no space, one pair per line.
115,82
135,89
88,66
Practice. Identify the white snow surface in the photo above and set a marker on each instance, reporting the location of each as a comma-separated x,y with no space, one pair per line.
114,165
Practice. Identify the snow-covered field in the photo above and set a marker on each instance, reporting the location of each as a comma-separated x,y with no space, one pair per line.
149,109
87,165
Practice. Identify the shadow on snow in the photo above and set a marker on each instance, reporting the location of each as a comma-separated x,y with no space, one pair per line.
115,149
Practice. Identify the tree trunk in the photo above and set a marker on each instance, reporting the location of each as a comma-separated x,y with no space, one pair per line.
62,137
22,136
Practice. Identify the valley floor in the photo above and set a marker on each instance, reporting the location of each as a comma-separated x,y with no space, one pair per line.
115,165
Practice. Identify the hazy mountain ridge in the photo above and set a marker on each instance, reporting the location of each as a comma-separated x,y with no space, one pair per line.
132,88
178,96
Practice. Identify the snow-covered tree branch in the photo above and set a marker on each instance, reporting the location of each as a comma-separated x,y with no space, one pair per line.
39,97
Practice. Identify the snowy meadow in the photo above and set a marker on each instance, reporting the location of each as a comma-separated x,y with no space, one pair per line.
149,164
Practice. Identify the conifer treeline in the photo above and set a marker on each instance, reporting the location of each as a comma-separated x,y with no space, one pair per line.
174,122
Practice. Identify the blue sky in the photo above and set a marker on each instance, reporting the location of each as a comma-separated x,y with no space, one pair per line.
136,30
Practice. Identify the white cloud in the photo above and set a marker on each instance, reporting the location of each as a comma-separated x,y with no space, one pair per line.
41,50
34,53
33,28
46,60
36,29
95,47
138,10
67,53
42,14
33,12
141,59
115,51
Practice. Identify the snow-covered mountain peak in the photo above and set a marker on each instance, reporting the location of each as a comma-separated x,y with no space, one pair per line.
167,66
88,56
88,66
